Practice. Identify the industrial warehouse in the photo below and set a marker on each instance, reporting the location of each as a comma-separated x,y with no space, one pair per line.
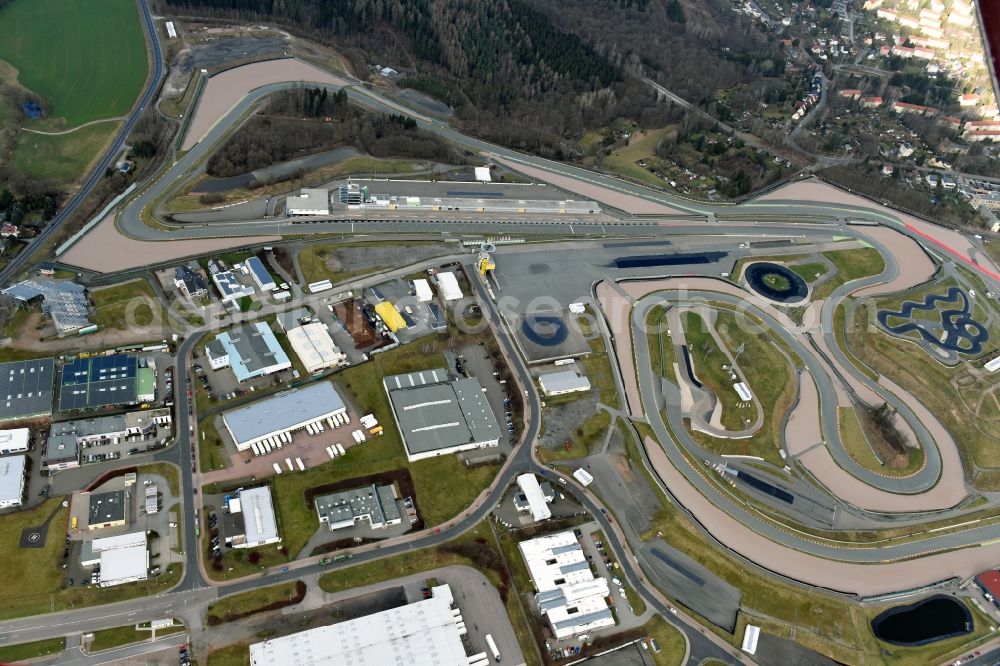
250,350
12,476
248,519
314,347
26,389
424,633
375,504
437,415
102,381
568,594
122,559
282,414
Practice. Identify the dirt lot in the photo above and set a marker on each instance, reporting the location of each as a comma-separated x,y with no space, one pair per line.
349,314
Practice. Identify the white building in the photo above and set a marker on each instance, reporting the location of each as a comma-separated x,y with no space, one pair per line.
14,441
567,381
993,365
282,413
229,287
425,633
528,483
123,558
12,472
447,285
249,521
568,594
483,174
422,289
311,201
265,281
314,347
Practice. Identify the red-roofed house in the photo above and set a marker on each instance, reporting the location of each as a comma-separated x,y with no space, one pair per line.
852,93
970,99
871,102
8,230
904,107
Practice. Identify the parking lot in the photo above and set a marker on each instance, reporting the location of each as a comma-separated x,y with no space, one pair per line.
310,448
475,361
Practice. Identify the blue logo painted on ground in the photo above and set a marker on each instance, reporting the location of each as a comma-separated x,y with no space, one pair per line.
959,332
545,330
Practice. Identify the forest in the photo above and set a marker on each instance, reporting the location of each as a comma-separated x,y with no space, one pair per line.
307,120
531,74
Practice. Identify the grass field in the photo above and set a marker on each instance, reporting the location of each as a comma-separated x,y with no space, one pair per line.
851,265
105,639
31,581
25,651
770,378
60,158
708,360
669,639
250,602
231,655
125,305
86,59
641,146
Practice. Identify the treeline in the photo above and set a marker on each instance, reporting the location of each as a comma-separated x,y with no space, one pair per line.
279,133
505,67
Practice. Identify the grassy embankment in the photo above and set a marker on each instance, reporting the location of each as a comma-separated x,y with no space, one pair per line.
105,639
33,650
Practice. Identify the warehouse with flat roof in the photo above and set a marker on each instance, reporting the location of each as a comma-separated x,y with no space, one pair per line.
310,201
123,558
12,476
314,347
108,509
26,389
282,413
424,633
14,441
251,351
437,415
248,520
569,595
567,381
376,504
103,381
260,274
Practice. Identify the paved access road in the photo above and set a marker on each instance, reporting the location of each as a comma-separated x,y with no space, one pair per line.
156,74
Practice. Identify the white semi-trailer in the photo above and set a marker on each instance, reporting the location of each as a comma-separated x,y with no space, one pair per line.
493,647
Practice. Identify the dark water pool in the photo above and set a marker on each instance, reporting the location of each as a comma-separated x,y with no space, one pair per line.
926,621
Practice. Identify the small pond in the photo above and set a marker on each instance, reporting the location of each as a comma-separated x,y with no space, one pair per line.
926,621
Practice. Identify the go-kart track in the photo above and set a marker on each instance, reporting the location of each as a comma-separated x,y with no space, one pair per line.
802,211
